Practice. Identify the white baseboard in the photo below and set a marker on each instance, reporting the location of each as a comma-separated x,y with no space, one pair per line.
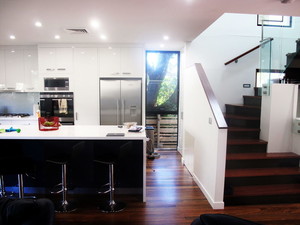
214,205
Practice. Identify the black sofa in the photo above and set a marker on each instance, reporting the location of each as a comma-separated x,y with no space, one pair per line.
221,219
26,211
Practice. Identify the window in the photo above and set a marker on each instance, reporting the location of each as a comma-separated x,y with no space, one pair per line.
274,21
268,76
162,70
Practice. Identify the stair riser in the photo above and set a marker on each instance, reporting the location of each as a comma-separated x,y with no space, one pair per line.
246,148
243,134
243,111
256,200
261,163
252,101
261,180
243,123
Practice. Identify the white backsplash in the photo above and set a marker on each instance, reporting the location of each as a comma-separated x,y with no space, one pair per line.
18,102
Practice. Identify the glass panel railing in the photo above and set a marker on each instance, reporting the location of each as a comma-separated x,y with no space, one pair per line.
265,68
279,58
292,67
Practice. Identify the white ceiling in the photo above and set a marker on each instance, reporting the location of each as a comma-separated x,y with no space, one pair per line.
123,21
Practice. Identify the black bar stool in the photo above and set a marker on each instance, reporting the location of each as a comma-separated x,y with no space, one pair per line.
111,159
64,206
64,159
15,165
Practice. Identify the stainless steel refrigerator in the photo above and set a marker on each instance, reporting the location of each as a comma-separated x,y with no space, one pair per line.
120,101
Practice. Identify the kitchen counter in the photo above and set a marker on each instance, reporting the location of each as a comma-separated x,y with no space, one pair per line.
16,121
36,144
72,133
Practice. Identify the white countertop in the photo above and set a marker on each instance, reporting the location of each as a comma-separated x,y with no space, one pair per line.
15,118
75,132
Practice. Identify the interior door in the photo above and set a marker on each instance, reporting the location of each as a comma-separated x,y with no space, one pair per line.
131,99
110,104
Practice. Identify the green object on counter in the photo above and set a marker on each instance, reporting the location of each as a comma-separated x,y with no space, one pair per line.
10,130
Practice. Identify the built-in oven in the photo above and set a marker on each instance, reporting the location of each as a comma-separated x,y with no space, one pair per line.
60,104
56,84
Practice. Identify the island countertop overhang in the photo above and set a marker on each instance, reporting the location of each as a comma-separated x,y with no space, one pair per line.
78,132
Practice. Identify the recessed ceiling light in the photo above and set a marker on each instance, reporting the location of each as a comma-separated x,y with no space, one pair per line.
38,24
166,37
162,45
57,37
103,37
94,24
12,37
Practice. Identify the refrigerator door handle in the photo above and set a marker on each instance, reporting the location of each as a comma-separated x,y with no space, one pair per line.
118,113
123,111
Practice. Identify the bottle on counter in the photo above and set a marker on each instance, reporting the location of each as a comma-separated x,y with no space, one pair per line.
36,110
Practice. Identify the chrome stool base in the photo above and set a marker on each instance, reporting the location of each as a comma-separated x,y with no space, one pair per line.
111,207
64,207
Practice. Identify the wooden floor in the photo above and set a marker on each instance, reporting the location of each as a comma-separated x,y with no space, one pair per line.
173,198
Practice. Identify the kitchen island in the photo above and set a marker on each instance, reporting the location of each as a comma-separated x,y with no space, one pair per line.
39,145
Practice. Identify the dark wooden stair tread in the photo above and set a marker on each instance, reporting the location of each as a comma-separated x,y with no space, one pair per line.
266,190
231,116
257,172
246,156
244,106
246,142
240,129
251,96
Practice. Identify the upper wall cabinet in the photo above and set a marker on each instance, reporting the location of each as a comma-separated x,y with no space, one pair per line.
121,62
18,68
55,61
2,69
14,67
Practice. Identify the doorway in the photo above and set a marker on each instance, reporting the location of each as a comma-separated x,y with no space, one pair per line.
162,97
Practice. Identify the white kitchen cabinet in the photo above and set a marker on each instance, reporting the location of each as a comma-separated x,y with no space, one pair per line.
86,94
121,62
31,76
109,61
132,61
55,61
14,67
2,69
18,64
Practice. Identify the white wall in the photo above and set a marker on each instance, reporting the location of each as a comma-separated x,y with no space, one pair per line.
296,117
204,151
277,118
228,37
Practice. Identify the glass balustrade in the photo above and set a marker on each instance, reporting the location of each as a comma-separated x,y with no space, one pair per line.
279,59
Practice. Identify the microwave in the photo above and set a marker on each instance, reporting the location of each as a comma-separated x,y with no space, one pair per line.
56,83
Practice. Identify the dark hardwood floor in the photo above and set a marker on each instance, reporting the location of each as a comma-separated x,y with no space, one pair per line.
173,198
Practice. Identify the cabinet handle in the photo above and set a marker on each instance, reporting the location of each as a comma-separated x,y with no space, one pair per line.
61,69
126,73
76,116
115,73
49,69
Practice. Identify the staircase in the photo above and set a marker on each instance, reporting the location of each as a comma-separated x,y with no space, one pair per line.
254,176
